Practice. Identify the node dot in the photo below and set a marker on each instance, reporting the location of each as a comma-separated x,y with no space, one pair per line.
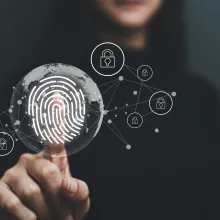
173,94
128,147
121,78
157,130
109,121
135,92
19,102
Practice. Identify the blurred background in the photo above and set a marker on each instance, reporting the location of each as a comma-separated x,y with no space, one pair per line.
203,37
27,27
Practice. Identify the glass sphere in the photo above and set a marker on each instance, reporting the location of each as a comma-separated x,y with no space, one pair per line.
56,105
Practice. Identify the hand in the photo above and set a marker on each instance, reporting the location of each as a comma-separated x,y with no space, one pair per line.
40,187
35,189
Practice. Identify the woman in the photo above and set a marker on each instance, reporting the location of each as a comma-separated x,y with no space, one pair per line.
171,175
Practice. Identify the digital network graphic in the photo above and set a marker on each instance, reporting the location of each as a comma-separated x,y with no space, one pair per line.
60,104
108,59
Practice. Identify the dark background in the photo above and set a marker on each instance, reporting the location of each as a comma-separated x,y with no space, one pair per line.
203,33
28,29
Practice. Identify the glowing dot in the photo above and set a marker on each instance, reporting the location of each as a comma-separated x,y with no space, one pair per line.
116,116
116,107
17,122
135,92
16,139
13,87
109,121
19,102
121,78
157,130
10,110
128,147
126,113
16,130
173,94
105,112
126,104
6,125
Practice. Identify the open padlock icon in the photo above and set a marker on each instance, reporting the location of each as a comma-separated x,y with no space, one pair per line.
134,121
107,60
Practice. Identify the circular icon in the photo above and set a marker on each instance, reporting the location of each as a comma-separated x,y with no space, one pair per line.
161,103
145,72
6,144
107,59
135,120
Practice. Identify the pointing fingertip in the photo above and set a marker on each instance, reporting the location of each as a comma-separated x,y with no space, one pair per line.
72,185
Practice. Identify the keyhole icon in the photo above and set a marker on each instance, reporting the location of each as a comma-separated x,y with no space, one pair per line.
107,61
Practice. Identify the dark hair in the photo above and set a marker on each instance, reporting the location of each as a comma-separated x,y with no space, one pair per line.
167,38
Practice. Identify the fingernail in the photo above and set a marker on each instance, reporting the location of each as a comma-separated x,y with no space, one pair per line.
72,186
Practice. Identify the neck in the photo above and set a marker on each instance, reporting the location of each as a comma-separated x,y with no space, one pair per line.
136,39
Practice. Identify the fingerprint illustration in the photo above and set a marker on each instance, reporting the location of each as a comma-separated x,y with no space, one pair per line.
57,109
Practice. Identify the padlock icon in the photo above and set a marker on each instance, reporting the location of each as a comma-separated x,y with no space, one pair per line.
161,103
144,73
3,144
134,121
107,60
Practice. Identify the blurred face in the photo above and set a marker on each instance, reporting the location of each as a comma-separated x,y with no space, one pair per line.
129,13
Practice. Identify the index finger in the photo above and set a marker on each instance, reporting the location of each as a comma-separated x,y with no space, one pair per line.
55,150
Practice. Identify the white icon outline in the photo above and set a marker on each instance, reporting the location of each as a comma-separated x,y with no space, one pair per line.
151,73
166,111
136,113
3,143
107,43
160,101
110,57
4,133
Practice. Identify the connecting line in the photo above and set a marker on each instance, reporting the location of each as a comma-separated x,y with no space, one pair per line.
109,87
2,126
21,122
132,82
112,130
139,103
4,112
112,95
107,83
17,91
139,79
118,131
18,110
27,136
146,114
131,67
11,132
138,97
115,133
